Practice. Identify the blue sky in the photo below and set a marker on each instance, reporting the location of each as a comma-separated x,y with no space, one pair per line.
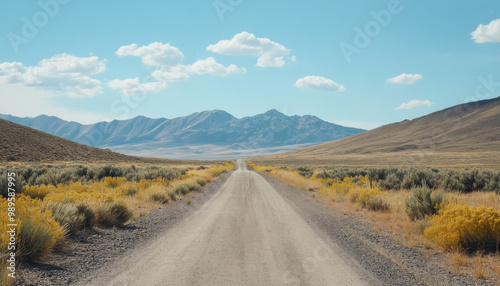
356,63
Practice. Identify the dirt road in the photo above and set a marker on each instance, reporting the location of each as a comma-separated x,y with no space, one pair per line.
246,234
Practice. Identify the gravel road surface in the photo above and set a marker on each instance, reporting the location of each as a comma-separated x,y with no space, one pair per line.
246,234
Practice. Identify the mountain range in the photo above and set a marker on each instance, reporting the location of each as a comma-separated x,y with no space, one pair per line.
213,134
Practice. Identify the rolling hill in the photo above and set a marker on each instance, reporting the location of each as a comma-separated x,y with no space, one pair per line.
23,144
462,135
213,134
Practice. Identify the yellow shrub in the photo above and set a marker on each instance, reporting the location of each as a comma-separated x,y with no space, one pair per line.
37,233
366,194
348,186
38,192
113,182
461,226
220,169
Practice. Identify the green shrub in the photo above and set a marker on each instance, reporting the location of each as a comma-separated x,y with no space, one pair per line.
417,177
201,182
160,197
377,203
73,217
172,195
113,214
194,188
392,182
305,171
422,203
182,189
34,240
89,218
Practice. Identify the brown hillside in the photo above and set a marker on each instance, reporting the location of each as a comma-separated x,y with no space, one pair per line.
23,144
463,135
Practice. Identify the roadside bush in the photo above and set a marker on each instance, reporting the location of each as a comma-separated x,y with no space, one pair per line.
305,171
87,215
160,197
365,195
422,203
38,232
193,188
172,195
469,228
182,190
73,217
201,182
220,169
66,216
377,203
113,214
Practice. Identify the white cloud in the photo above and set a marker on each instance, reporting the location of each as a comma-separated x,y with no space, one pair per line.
64,74
132,86
154,54
487,33
209,66
169,74
271,54
168,60
405,78
414,103
319,83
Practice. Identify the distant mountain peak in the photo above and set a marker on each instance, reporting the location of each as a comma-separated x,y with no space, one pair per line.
274,112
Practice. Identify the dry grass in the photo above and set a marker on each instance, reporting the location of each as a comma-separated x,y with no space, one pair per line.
475,199
433,159
457,260
479,271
